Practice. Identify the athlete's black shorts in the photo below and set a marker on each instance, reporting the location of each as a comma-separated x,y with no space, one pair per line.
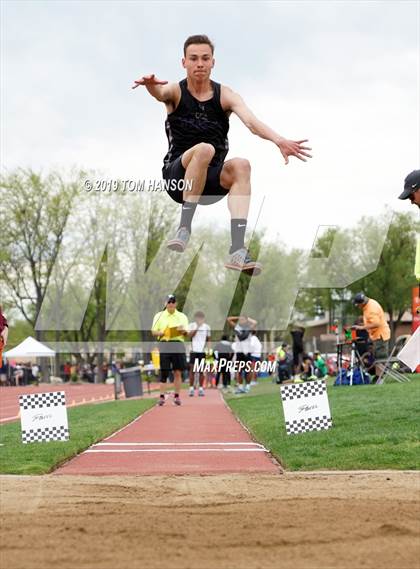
213,191
174,359
200,356
240,357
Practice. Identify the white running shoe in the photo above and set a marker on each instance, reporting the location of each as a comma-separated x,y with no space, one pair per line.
200,392
191,393
241,261
180,241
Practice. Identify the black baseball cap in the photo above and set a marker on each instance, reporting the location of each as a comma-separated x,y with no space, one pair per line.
411,184
170,298
360,298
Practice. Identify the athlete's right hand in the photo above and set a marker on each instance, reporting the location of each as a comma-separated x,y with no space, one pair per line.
148,80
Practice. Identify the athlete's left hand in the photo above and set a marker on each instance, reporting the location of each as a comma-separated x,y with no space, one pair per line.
293,148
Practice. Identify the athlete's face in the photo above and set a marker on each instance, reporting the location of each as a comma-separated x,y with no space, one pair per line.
198,62
415,198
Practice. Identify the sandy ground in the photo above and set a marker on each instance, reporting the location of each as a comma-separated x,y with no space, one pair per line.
305,520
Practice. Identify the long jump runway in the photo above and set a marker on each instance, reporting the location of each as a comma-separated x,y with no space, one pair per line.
200,437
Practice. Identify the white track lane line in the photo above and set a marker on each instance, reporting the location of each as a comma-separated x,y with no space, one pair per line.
179,450
9,419
179,444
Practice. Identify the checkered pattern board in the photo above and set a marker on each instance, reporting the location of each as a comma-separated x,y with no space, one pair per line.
301,390
44,417
45,434
303,425
42,400
306,407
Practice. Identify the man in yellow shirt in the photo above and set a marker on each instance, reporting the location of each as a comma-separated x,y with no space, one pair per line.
171,326
375,323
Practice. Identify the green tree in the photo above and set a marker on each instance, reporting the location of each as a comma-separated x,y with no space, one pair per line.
33,213
316,301
394,278
390,283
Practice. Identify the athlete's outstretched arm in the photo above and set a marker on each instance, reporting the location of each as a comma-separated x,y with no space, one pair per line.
159,89
234,102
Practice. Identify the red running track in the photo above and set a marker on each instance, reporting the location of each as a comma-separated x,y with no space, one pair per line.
75,395
200,437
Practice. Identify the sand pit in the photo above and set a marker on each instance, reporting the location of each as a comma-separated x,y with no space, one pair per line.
299,520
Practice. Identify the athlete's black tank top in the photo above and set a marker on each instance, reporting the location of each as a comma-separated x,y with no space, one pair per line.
195,121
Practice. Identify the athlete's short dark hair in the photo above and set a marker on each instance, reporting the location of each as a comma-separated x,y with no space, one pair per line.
199,39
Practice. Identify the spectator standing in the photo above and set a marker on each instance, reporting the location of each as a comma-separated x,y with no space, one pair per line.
297,334
199,332
223,349
256,352
242,325
412,188
170,326
284,363
4,333
67,371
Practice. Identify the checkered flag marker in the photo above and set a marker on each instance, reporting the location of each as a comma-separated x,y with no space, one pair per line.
44,417
306,407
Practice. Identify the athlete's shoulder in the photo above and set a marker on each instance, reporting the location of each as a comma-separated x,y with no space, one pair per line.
174,89
228,97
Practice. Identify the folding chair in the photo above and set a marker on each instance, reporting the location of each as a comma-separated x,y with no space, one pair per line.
387,370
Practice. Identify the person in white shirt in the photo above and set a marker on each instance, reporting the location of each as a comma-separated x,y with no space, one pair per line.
35,372
256,351
199,332
242,325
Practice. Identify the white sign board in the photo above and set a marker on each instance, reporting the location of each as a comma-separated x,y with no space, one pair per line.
306,407
410,354
44,417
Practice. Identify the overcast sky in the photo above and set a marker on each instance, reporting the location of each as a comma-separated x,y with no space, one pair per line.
343,74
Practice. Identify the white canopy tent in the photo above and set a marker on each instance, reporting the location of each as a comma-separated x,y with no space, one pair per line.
30,348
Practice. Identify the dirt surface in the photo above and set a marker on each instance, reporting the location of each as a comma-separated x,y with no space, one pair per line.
299,520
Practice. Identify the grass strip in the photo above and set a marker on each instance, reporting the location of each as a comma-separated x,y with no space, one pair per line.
88,424
374,427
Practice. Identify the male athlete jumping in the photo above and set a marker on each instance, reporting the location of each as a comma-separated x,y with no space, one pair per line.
197,126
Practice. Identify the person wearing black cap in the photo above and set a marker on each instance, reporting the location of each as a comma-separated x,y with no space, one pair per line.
412,192
375,323
171,326
412,188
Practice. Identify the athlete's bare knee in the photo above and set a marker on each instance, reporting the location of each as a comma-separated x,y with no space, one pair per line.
204,152
241,167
